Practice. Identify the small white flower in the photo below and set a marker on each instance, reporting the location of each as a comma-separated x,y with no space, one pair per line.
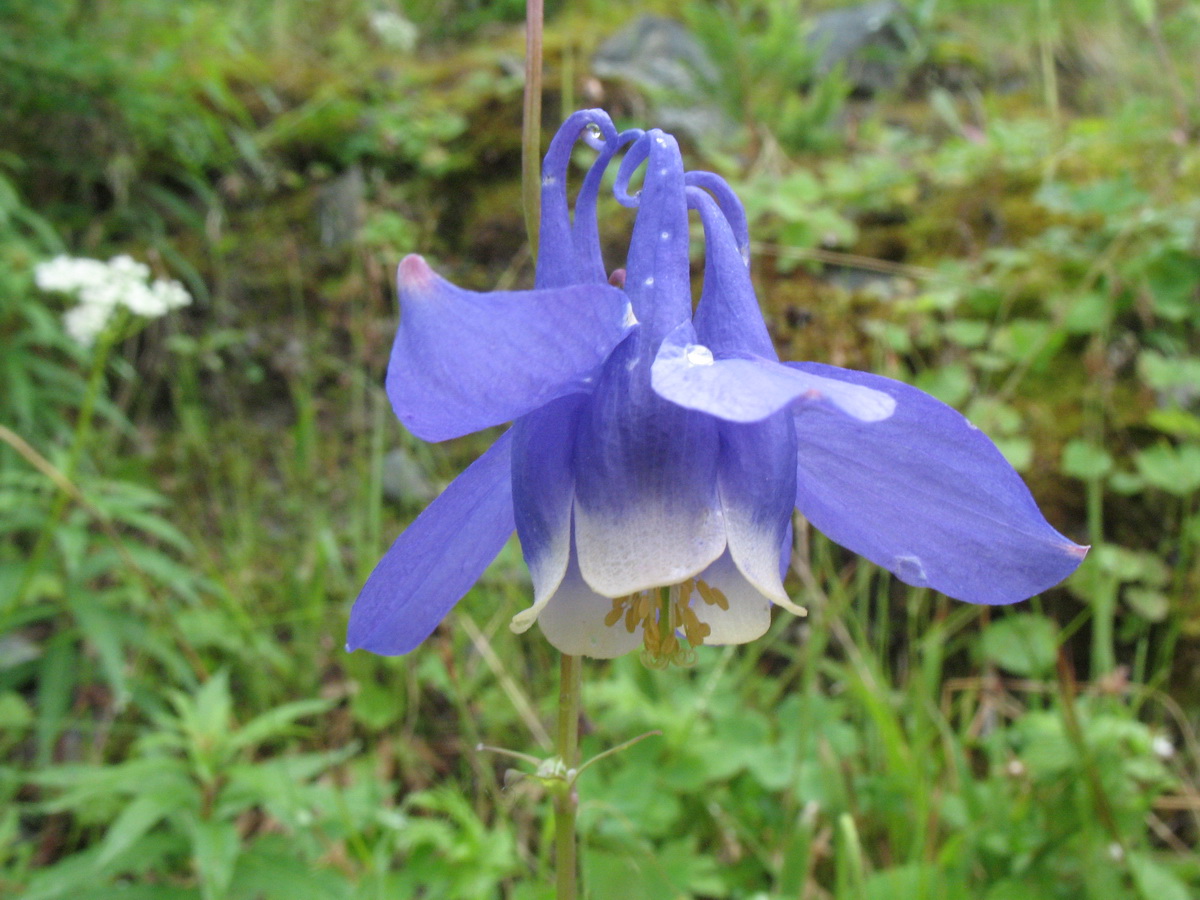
394,30
65,273
101,287
1162,746
85,322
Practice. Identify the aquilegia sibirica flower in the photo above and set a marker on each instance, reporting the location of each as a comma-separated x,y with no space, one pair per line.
656,455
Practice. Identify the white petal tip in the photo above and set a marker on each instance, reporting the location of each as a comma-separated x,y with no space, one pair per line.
522,621
790,607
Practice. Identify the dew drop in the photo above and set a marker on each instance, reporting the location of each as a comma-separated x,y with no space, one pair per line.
649,282
910,570
698,355
547,180
666,235
593,130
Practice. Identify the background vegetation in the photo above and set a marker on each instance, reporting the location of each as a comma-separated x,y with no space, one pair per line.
188,512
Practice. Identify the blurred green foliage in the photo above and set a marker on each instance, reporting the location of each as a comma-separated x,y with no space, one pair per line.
186,516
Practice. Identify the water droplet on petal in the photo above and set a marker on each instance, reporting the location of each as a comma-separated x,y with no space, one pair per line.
698,355
547,180
666,235
649,282
911,570
593,130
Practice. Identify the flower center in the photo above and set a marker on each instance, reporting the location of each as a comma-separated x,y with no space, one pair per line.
662,613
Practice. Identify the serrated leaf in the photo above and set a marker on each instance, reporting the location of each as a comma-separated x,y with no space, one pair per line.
1024,644
1175,470
1085,461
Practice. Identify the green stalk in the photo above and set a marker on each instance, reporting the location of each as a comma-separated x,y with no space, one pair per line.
566,800
531,125
79,441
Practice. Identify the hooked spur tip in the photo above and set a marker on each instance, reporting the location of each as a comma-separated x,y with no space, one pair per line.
413,273
1079,551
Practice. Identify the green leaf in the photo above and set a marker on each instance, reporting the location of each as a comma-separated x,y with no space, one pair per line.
15,714
104,627
1175,422
1144,10
275,722
951,384
1175,470
1169,373
136,819
270,870
1085,461
56,687
1087,313
1154,880
215,850
1022,643
1150,604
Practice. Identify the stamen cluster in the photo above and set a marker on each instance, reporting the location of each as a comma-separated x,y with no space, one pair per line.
670,607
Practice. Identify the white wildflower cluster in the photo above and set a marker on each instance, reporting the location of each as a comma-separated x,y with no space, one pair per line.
394,31
102,287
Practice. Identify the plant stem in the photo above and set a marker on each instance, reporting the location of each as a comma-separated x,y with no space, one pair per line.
531,124
566,800
79,441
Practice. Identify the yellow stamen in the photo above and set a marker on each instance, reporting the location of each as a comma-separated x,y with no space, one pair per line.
662,613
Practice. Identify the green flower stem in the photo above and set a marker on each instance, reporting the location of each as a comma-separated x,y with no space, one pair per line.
531,124
566,799
79,441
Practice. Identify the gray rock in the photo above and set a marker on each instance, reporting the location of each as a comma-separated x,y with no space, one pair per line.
873,41
662,58
405,481
340,207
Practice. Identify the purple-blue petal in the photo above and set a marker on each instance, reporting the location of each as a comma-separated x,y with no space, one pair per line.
926,495
757,482
584,227
463,361
543,491
728,318
749,389
562,258
730,205
646,505
658,270
437,558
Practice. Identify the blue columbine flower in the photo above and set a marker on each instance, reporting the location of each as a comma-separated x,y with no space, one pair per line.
656,456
